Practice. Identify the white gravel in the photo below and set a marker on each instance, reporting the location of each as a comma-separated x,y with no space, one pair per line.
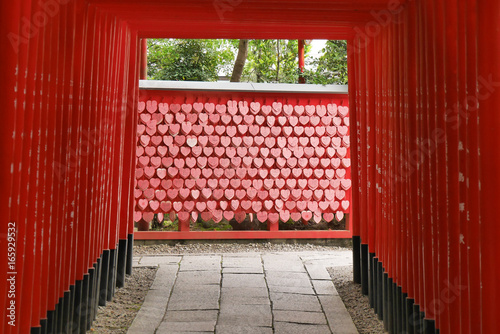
357,304
228,248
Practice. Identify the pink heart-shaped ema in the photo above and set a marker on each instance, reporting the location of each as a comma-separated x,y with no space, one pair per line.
340,194
225,141
332,109
150,150
301,205
166,206
287,131
255,107
236,141
339,215
209,107
261,216
306,215
206,216
141,128
235,162
266,110
141,106
235,184
256,207
343,111
345,205
139,172
295,216
145,118
213,140
149,193
288,109
214,118
346,141
231,130
304,120
340,173
335,183
321,110
221,108
337,121
299,110
189,205
144,140
142,204
226,119
155,182
346,162
284,215
197,129
331,130
274,173
324,205
346,121
310,110
198,107
218,194
318,194
298,130
314,120
251,193
229,194
195,194
275,131
262,194
308,172
169,118
319,151
235,204
166,184
312,183
341,152
290,205
326,120
237,119
252,172
285,194
268,205
342,130
242,129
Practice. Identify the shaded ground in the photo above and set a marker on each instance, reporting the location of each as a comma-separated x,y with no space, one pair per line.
118,315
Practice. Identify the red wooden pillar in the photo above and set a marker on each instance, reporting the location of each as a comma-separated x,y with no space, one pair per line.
489,143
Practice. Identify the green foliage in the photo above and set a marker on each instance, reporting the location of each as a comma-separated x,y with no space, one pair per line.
189,59
272,61
331,67
267,61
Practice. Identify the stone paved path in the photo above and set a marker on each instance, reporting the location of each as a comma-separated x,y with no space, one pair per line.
248,293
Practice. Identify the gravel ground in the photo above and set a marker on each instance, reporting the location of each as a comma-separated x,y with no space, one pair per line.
357,304
118,315
227,248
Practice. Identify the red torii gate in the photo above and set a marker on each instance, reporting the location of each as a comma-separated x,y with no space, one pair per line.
424,84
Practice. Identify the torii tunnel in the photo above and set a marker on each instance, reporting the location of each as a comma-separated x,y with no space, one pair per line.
424,97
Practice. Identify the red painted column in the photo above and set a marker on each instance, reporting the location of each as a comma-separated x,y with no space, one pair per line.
489,143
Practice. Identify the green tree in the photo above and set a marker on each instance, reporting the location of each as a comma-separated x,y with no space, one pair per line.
272,60
331,66
189,59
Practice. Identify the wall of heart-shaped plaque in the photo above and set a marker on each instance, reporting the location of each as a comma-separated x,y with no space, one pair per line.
276,160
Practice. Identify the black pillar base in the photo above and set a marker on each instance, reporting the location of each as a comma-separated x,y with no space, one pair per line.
385,302
399,309
122,263
356,259
390,306
111,275
130,253
36,330
43,325
103,290
51,321
364,269
77,306
371,280
429,326
59,312
90,301
380,290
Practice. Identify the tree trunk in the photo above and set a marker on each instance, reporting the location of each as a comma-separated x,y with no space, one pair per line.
239,64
